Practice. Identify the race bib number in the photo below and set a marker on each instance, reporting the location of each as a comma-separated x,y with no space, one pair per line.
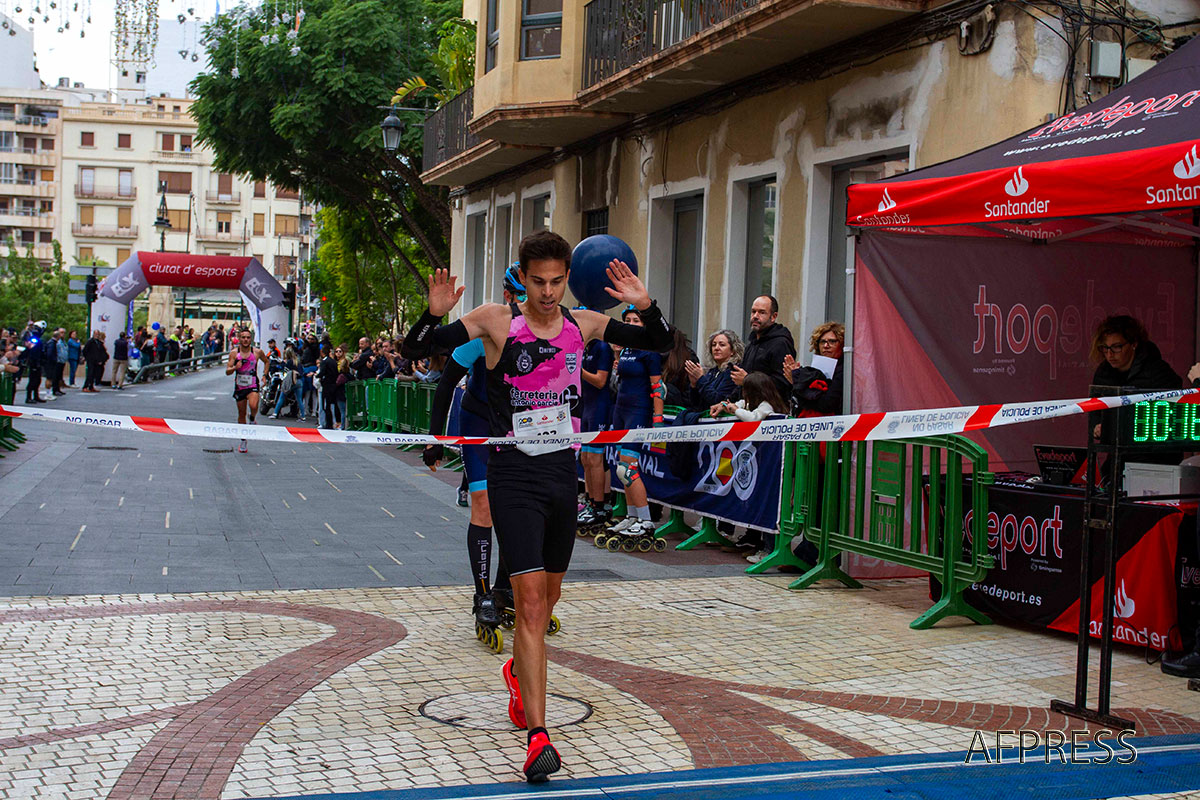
244,380
543,423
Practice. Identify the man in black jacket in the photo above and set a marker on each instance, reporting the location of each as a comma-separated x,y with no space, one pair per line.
359,366
769,344
94,356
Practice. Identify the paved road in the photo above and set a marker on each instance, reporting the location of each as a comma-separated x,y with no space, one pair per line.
87,511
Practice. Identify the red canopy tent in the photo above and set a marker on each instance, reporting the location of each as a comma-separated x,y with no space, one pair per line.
981,279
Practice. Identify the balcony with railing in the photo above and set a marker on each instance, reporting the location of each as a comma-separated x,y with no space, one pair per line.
87,192
644,55
27,218
453,156
27,187
103,231
223,198
217,235
29,156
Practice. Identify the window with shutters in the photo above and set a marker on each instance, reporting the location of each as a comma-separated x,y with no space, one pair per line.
287,194
259,257
122,255
260,222
185,143
177,182
178,218
224,185
281,264
124,141
87,181
260,188
287,225
45,237
168,142
87,139
29,144
47,176
124,217
47,207
125,183
87,215
224,221
47,144
86,255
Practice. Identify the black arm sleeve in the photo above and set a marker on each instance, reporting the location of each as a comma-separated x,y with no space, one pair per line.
654,335
426,333
443,396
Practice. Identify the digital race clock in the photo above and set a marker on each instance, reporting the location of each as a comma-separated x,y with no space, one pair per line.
1161,424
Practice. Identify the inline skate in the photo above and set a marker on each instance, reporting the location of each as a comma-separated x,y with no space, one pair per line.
507,612
487,622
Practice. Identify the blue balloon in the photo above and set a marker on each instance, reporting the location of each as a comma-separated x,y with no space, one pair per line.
589,262
155,326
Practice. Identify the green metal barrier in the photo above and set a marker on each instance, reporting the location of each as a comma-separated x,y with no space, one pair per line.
356,405
10,437
406,408
872,521
799,460
388,405
374,406
423,401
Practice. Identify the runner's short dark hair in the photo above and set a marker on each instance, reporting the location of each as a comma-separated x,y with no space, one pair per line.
543,245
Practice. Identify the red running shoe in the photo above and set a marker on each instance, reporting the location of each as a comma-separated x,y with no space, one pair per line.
542,759
516,709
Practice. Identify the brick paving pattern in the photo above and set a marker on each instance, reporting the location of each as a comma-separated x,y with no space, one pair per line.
271,693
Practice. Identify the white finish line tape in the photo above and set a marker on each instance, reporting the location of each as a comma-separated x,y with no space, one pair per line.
846,428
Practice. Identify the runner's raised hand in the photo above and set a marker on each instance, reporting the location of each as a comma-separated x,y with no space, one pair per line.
442,294
626,286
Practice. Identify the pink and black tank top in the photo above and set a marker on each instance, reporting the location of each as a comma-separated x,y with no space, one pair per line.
535,373
245,375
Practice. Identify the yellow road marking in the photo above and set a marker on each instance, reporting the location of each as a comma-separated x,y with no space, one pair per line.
331,530
168,519
302,497
82,528
384,510
418,533
314,469
393,558
121,502
377,573
285,504
335,488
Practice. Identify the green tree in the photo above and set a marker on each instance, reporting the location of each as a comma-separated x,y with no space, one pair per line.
362,294
304,112
453,63
30,291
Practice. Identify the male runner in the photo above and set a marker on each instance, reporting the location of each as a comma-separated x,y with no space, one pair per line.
243,365
474,420
534,353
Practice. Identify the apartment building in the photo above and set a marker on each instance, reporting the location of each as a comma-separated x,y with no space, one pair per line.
718,138
30,151
118,157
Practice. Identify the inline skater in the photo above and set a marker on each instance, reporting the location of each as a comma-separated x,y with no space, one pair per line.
243,366
597,416
470,360
533,351
639,404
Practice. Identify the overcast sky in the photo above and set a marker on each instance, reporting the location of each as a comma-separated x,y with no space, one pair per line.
89,59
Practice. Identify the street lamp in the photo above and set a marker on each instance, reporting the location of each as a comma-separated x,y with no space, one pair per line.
162,224
392,127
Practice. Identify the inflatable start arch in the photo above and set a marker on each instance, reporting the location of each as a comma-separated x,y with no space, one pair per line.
262,294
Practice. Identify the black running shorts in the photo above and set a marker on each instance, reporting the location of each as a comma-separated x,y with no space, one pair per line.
534,510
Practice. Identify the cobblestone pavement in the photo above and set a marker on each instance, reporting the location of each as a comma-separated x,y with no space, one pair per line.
270,693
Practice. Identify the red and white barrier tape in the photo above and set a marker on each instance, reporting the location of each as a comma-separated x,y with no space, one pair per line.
850,427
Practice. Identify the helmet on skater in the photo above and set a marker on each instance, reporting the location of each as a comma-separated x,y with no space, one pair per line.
512,281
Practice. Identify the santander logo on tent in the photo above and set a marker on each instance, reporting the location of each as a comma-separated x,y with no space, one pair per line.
887,203
1016,186
1186,168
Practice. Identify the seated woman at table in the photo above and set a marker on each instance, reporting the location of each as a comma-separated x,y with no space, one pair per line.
1129,360
1126,357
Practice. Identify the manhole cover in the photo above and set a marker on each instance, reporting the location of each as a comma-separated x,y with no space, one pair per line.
708,608
108,447
218,450
488,711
